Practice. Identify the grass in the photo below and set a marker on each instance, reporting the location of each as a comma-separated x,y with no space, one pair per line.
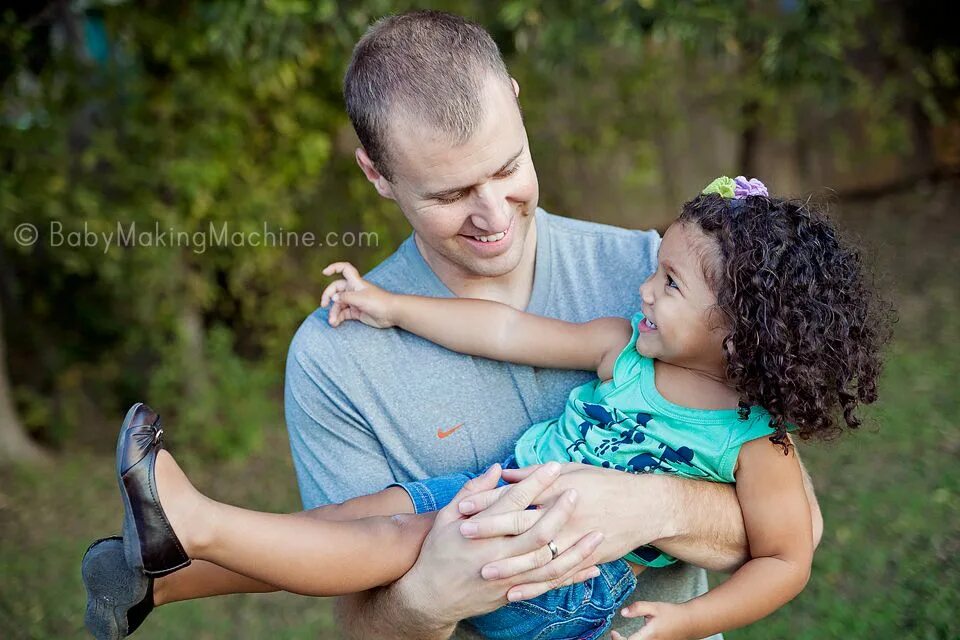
887,566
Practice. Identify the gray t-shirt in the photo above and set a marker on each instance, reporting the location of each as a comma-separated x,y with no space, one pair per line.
367,407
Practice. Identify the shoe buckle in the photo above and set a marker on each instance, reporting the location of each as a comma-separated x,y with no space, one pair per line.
157,434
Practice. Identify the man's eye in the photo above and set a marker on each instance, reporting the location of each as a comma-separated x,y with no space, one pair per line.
460,195
671,282
509,172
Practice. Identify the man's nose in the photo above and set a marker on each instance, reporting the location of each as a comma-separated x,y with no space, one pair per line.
492,211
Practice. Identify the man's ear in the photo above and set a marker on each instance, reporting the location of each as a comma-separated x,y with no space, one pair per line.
383,186
516,87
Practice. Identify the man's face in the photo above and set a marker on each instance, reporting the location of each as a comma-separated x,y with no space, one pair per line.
471,205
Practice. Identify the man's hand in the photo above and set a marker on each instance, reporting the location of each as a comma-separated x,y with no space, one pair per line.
607,503
356,299
446,584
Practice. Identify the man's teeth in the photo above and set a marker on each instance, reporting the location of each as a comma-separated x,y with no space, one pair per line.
493,238
650,324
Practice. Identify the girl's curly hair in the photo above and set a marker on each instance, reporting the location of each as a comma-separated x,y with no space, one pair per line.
806,326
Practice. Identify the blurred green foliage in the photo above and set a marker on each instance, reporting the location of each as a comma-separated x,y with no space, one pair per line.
184,114
179,115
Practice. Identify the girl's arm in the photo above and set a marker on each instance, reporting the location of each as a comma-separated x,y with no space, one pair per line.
776,517
480,327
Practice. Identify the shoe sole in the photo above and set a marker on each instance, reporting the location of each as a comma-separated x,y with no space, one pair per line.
112,589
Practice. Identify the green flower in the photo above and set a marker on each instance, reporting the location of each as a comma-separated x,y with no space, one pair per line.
723,185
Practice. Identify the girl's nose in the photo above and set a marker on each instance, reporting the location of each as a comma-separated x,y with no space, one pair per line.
646,291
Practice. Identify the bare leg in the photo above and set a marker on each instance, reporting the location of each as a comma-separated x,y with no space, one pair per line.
322,553
204,579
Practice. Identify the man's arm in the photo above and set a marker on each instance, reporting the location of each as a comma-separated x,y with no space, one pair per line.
445,585
705,524
695,521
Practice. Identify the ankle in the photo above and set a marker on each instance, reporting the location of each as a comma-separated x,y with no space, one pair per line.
200,512
161,590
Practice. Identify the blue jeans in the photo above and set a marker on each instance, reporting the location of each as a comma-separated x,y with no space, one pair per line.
577,612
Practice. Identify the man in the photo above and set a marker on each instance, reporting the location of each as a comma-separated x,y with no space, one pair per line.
442,135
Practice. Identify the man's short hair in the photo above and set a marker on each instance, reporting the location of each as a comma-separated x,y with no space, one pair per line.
426,64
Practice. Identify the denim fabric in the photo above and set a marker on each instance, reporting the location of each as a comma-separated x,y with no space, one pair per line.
435,493
577,612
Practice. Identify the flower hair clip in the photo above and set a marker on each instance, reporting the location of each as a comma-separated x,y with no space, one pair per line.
736,188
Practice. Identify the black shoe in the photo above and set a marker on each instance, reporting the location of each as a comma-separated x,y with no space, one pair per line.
149,543
118,597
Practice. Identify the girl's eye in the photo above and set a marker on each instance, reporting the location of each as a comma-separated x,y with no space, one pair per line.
671,282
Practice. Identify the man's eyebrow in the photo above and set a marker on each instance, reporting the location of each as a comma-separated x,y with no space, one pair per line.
449,192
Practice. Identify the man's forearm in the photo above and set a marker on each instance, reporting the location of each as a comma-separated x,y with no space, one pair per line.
701,522
382,614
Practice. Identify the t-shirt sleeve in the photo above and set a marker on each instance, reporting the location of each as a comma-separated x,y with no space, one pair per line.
335,452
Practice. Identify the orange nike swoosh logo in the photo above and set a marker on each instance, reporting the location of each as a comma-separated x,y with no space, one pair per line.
443,434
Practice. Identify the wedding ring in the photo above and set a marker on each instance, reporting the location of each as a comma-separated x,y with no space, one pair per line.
554,551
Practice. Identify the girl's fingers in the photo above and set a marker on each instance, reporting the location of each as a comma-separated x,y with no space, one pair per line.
638,609
332,289
335,267
334,314
348,270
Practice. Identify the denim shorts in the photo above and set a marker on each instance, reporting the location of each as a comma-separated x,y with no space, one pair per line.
578,612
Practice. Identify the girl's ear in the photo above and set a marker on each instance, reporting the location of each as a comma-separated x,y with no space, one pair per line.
728,349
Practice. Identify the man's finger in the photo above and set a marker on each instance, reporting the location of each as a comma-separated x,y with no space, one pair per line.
522,494
548,527
567,566
479,501
484,482
512,523
516,475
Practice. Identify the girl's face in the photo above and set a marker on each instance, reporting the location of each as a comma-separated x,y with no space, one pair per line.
682,326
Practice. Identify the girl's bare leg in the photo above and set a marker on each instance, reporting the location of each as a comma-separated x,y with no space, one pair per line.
204,579
325,551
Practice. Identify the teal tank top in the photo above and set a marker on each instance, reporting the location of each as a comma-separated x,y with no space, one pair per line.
625,424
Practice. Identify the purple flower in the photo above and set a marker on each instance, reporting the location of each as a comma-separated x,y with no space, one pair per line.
752,187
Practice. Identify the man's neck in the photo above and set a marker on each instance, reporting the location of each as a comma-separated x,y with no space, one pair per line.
513,288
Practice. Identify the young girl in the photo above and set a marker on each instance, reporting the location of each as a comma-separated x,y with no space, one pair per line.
757,322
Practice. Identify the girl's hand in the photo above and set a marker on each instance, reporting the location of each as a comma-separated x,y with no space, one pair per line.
356,299
664,621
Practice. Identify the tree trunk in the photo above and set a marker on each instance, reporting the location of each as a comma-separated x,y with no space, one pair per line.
15,445
749,139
